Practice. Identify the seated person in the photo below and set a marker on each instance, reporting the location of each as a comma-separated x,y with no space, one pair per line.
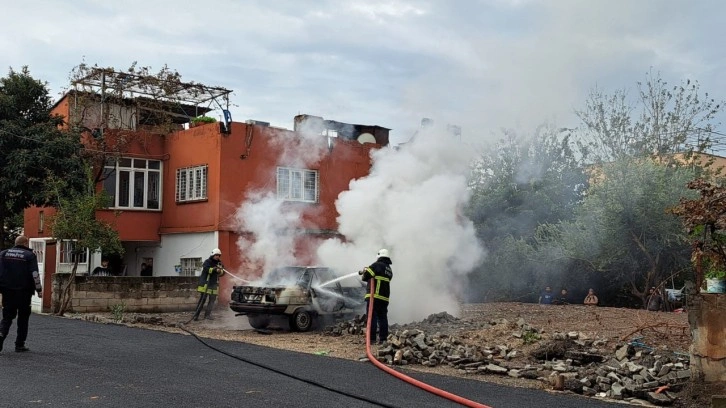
655,300
591,299
562,299
545,298
102,270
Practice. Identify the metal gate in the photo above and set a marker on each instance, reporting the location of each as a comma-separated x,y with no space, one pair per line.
38,247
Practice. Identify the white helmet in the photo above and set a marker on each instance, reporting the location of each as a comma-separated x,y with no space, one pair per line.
383,253
216,251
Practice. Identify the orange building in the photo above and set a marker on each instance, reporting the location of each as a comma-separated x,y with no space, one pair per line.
176,195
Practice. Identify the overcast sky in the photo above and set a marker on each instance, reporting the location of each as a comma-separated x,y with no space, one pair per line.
480,64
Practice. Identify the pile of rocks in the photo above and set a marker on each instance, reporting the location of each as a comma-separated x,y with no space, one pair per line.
567,361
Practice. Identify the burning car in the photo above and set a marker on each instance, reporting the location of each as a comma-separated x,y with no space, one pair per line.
301,296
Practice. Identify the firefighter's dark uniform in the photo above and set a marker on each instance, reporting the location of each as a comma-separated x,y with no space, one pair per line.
208,287
19,278
380,275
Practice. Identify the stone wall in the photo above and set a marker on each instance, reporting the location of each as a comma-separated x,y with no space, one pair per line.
136,294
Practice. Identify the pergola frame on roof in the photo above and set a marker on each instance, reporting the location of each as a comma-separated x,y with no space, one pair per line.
170,89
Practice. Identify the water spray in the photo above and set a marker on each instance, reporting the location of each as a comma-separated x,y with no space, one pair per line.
338,279
236,277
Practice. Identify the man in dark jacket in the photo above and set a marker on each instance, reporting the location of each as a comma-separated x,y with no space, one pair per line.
19,278
208,287
380,275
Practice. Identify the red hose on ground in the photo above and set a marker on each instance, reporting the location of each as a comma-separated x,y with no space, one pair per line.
404,377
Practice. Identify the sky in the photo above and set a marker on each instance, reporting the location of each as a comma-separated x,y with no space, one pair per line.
482,65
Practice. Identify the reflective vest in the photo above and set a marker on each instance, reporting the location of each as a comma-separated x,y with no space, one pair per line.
209,278
381,280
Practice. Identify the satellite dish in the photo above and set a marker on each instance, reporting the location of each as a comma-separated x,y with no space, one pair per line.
366,138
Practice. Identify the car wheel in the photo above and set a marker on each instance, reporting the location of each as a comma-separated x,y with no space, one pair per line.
258,322
301,321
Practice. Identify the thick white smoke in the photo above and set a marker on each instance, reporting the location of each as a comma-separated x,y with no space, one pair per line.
271,244
411,204
267,229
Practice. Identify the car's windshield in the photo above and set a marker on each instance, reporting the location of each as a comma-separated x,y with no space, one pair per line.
284,276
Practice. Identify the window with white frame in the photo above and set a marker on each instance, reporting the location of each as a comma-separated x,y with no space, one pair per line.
191,184
190,266
297,184
67,255
133,183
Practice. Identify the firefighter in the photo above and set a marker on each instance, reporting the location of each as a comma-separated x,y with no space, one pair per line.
19,278
208,288
380,275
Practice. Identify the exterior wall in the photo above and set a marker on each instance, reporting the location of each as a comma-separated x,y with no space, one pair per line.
48,273
240,163
244,162
197,146
176,246
62,108
134,254
32,221
717,163
148,294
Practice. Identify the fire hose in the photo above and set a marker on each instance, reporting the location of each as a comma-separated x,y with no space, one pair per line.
404,377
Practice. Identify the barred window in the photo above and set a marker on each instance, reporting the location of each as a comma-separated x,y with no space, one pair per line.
191,183
297,184
190,266
68,257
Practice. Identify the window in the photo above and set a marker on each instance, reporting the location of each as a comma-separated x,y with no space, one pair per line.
297,185
133,183
191,184
190,266
41,222
67,257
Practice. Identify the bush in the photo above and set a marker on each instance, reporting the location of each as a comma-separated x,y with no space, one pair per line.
199,120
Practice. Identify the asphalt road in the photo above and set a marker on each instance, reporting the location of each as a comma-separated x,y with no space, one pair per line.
74,363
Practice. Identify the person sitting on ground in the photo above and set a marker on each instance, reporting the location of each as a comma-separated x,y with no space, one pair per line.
654,303
591,299
545,298
562,299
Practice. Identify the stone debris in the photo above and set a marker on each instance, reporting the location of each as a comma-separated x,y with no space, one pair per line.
578,364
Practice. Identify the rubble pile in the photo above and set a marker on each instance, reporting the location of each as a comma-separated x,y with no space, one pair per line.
568,361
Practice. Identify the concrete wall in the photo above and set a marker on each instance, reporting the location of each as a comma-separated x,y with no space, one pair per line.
137,294
708,329
184,245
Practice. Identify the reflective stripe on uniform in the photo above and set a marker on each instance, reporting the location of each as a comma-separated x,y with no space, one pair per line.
207,290
378,279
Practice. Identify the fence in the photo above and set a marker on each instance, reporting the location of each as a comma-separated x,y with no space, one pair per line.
137,294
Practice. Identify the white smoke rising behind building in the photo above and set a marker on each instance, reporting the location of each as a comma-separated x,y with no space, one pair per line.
411,203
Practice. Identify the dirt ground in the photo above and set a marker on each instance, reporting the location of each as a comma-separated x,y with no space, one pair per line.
615,326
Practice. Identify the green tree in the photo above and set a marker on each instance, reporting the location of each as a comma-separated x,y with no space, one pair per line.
624,231
33,147
76,221
519,184
663,120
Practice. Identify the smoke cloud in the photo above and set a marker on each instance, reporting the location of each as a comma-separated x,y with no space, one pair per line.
411,205
270,245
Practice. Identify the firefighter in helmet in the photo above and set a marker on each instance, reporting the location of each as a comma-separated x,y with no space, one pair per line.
379,274
208,288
